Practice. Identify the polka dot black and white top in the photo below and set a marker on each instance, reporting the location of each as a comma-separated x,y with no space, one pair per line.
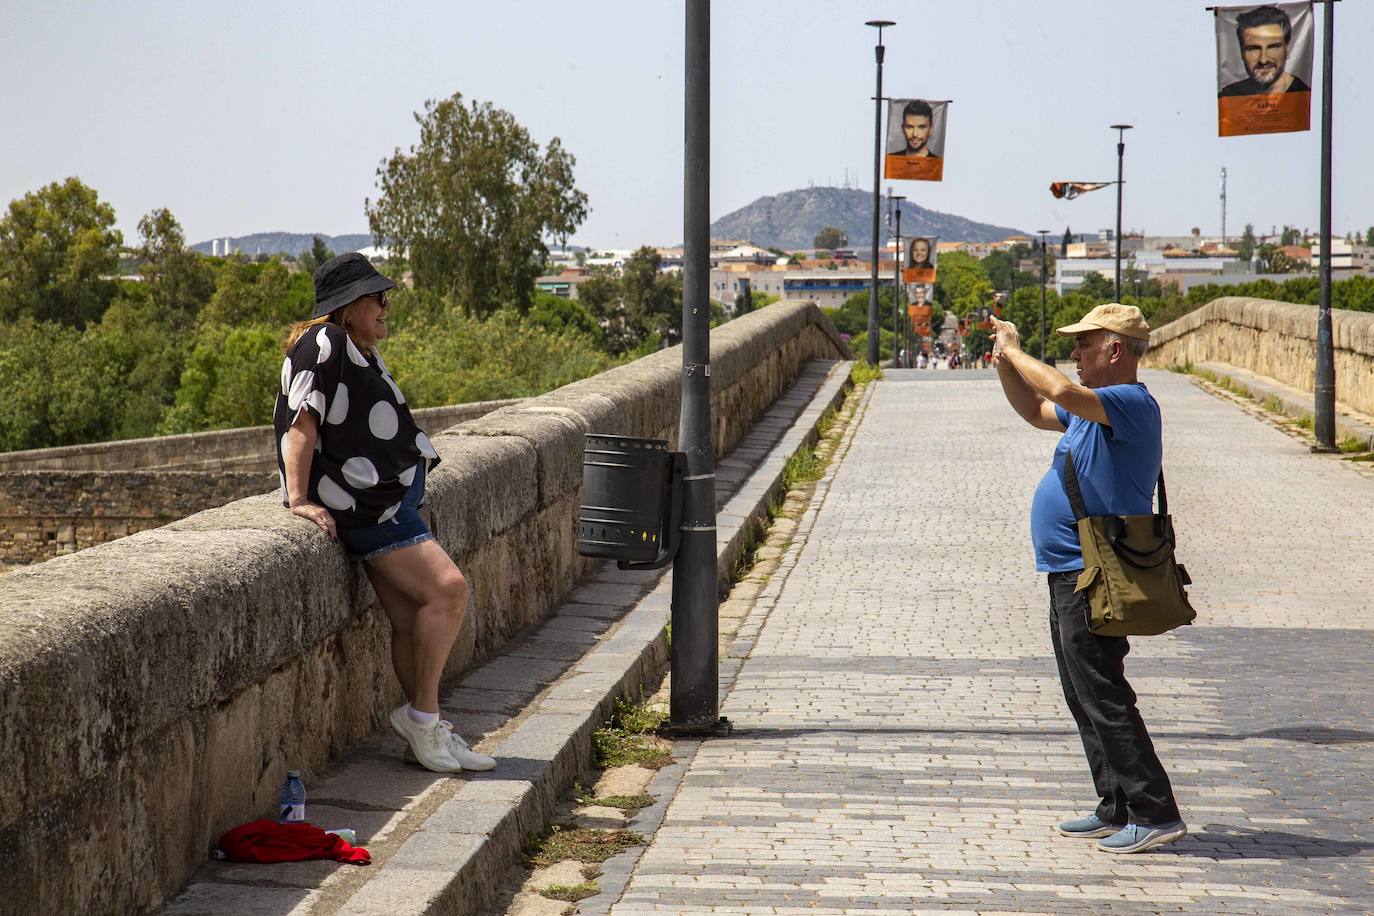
368,448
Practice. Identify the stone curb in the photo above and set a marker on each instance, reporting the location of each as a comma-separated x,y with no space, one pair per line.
456,859
1296,403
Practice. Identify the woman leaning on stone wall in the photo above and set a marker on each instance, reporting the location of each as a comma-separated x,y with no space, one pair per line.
353,462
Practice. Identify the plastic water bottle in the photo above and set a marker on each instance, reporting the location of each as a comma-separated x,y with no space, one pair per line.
291,800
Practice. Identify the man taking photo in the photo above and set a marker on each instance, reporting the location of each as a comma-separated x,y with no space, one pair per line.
1112,424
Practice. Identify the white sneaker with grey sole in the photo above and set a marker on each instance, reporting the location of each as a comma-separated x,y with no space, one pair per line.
424,742
458,749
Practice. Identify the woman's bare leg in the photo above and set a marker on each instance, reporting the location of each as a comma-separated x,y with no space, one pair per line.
400,610
425,576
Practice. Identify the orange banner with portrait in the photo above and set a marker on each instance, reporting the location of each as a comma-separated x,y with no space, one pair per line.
1264,68
920,319
1242,115
915,149
903,167
918,260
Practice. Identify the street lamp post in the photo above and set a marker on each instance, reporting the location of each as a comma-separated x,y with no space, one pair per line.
1324,406
898,338
1120,157
693,700
1044,281
878,24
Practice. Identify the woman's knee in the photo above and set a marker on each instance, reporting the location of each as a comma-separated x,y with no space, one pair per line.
451,591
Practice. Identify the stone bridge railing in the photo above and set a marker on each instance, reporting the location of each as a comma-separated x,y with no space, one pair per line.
249,449
154,689
1277,339
56,501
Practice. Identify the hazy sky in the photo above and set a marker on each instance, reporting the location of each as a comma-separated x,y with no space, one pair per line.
247,116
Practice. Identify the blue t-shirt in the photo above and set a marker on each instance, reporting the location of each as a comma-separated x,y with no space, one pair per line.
1117,468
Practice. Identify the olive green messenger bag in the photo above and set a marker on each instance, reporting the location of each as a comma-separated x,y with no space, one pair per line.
1133,583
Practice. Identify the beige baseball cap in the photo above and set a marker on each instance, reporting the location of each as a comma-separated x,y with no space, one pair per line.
1125,320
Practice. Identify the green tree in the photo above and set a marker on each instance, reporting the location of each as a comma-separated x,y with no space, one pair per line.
963,282
753,302
58,250
472,203
251,294
999,266
852,317
640,303
830,238
558,315
1245,250
1098,288
462,359
231,379
1369,237
314,256
179,281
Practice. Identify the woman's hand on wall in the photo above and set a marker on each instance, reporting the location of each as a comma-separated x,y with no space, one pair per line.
319,515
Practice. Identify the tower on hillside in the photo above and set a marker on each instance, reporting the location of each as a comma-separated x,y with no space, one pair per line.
1223,206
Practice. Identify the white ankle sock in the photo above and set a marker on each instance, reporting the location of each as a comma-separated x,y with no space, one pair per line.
422,718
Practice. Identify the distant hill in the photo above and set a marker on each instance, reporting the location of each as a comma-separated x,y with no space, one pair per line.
791,220
292,243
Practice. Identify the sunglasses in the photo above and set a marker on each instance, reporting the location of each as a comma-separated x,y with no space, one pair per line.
382,299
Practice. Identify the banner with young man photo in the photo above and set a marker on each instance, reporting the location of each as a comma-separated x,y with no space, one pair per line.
1264,68
915,139
919,260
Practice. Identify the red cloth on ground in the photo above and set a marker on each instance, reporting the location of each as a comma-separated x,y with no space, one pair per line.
267,841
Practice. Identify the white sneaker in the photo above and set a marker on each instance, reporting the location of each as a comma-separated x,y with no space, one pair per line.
424,742
458,749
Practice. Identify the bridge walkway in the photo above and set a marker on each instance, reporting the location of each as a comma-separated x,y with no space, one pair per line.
902,740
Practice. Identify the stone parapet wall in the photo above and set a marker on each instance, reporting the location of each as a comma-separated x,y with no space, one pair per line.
46,514
154,689
1276,339
248,449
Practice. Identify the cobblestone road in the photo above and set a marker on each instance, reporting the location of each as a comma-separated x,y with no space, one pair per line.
903,744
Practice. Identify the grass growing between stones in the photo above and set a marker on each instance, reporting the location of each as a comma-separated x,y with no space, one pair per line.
803,467
628,803
628,737
864,372
749,547
571,893
581,844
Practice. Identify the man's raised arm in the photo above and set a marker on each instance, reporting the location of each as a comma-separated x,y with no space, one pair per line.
1028,404
1048,386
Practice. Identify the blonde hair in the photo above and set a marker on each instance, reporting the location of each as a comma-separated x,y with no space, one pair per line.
339,316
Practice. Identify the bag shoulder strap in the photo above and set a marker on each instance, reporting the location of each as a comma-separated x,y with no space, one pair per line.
1071,488
1076,495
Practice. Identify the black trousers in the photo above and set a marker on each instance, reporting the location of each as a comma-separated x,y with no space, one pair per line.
1126,771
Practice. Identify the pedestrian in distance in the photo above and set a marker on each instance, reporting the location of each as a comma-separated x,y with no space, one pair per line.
1112,424
353,462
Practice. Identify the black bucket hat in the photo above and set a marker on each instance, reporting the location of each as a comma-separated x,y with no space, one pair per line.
340,280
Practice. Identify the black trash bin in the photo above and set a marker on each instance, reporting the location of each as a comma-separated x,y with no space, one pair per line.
631,500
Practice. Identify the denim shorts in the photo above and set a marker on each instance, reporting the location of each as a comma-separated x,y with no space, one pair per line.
403,529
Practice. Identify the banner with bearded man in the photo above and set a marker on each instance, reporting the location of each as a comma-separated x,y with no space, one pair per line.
1264,68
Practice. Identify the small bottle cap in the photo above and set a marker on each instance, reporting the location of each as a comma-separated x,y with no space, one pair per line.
293,774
